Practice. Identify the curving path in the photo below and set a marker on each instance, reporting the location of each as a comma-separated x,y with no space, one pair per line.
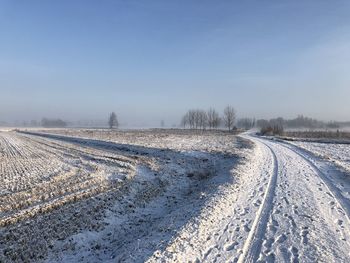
304,216
285,206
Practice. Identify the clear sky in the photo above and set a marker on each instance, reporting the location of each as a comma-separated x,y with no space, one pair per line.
153,60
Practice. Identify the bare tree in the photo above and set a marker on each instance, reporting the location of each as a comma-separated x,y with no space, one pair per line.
192,118
229,117
213,118
202,119
217,122
113,121
185,120
195,119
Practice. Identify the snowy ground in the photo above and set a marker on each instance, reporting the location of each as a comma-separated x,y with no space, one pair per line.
337,153
287,206
155,196
69,199
308,220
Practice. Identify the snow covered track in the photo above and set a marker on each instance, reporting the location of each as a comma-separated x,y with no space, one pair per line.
342,201
283,207
307,218
252,246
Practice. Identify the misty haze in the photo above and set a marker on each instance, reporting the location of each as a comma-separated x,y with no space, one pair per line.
174,131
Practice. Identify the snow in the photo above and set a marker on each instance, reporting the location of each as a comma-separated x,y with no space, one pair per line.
135,196
302,213
305,207
338,153
172,196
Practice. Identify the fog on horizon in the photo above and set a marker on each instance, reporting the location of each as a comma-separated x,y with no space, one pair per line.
152,61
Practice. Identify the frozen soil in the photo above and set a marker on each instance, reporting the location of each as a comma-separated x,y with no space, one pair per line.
76,198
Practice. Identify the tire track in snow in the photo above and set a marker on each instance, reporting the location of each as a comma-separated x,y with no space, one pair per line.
252,246
341,201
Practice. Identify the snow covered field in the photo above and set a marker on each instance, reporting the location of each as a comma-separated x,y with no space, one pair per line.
337,153
171,196
67,199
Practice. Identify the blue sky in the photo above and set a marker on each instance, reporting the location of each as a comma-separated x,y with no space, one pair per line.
153,60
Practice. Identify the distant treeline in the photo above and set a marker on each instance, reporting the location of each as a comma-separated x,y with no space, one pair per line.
45,122
202,119
53,123
301,122
325,134
278,125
